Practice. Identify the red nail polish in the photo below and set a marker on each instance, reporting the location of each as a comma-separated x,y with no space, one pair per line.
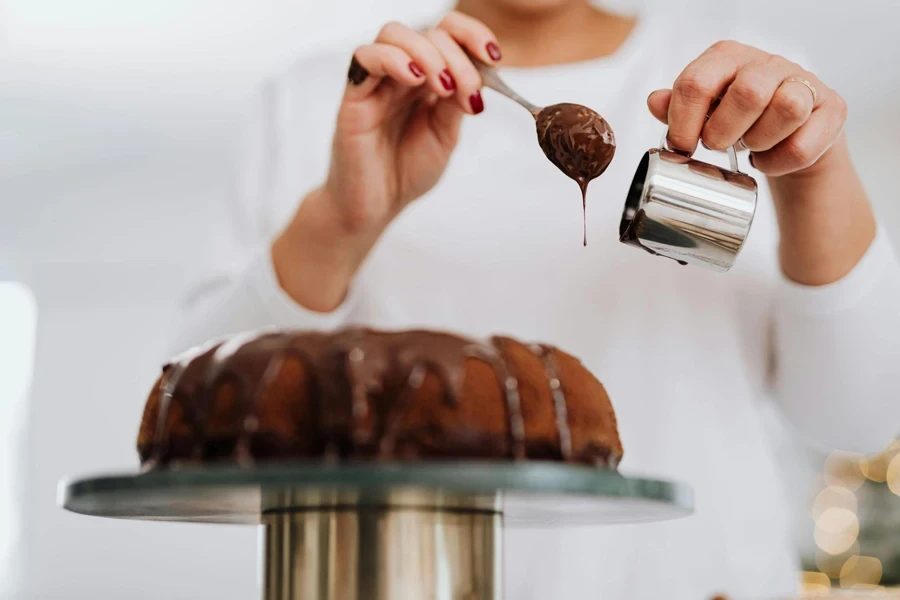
416,70
493,51
476,102
447,80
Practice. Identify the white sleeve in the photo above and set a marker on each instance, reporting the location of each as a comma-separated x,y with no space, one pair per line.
236,288
838,354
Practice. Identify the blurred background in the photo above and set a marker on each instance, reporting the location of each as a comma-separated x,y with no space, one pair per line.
117,129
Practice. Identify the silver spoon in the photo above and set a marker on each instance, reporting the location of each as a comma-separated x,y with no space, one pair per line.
492,80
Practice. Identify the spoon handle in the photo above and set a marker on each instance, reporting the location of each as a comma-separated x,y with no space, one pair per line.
491,79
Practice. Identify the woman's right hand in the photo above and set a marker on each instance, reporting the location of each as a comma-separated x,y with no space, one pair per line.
397,126
400,117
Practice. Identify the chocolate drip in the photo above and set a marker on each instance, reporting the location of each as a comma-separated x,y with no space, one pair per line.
175,371
559,399
318,357
392,428
250,422
247,391
510,385
583,187
360,394
166,393
579,142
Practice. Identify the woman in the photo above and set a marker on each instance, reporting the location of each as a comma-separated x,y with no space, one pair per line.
428,203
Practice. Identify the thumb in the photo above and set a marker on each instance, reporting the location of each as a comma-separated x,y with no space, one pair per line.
658,103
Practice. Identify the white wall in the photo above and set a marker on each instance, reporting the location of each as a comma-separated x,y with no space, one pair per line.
116,120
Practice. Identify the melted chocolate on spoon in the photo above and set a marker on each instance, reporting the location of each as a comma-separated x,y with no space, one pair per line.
579,142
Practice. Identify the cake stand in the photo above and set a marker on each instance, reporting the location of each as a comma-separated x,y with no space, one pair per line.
381,531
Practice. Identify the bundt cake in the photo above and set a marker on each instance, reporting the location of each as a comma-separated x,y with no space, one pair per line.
359,394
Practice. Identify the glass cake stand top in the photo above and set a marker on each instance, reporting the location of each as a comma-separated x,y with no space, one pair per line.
527,494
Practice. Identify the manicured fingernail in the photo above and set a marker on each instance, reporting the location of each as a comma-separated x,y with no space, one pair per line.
704,145
493,51
752,162
447,80
476,102
416,69
357,73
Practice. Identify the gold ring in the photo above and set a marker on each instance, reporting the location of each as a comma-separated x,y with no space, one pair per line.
809,85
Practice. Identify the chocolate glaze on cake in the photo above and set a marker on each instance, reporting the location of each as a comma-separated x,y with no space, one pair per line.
363,394
578,141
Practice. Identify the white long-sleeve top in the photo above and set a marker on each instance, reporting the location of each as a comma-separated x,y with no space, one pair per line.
689,356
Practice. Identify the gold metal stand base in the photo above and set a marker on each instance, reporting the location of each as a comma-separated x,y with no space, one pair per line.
382,554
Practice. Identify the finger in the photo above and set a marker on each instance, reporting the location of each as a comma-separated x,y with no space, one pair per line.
441,121
374,62
444,119
473,35
658,103
397,104
701,83
431,99
468,80
361,113
744,102
423,53
791,106
805,147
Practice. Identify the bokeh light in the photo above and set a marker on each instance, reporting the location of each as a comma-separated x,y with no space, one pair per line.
874,468
861,571
893,475
836,500
831,565
842,469
812,581
836,530
834,497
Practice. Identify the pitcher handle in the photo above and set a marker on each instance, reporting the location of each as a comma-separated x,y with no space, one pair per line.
732,152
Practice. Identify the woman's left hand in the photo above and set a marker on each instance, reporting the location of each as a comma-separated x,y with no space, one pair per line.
737,94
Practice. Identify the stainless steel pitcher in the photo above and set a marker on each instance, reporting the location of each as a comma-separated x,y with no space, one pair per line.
687,210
